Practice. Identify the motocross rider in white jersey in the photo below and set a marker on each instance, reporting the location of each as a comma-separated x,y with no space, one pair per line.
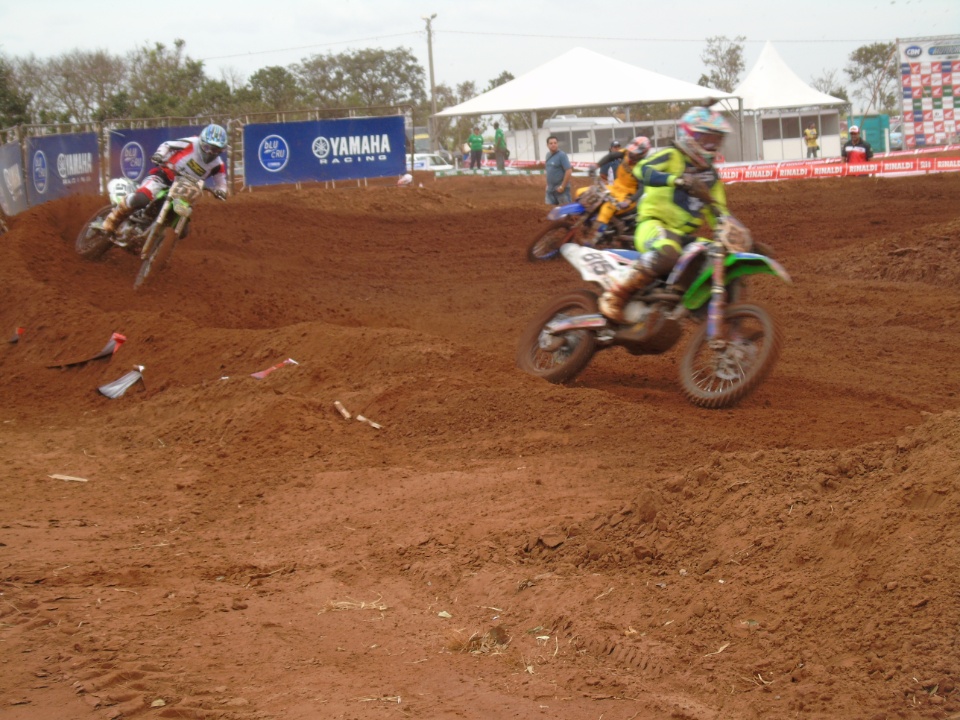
197,157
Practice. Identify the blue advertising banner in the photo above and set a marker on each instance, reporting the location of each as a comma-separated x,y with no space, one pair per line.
319,150
13,196
61,165
130,150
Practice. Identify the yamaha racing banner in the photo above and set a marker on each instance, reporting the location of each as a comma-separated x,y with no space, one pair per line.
13,195
320,150
61,165
130,150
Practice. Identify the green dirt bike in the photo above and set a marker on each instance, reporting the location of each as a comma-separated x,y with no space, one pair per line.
151,232
729,355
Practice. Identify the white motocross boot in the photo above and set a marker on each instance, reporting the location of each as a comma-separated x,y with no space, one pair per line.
116,215
613,300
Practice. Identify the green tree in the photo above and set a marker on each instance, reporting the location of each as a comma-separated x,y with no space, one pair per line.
828,83
82,82
275,88
322,80
383,77
724,60
13,105
874,72
164,81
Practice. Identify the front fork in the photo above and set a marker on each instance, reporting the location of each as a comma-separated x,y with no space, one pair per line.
718,301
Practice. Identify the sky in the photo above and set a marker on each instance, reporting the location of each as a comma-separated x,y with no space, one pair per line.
476,39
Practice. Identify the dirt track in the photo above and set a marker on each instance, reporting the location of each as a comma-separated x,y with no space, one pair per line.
239,550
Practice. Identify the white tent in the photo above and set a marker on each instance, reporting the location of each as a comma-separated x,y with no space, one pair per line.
772,87
581,78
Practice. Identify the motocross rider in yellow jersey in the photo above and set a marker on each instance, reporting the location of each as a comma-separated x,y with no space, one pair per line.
626,187
681,193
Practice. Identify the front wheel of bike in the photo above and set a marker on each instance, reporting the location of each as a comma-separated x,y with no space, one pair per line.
558,358
546,245
92,242
157,257
720,373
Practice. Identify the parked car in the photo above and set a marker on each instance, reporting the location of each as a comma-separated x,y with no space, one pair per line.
429,162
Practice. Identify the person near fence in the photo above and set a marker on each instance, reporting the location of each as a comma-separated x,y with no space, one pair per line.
558,170
856,149
475,141
499,146
197,156
810,137
610,162
682,192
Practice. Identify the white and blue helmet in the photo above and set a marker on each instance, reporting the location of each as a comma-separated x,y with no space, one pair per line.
213,141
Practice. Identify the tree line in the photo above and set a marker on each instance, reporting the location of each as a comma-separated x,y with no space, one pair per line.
164,81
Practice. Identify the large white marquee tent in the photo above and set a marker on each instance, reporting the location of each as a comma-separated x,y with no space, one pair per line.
581,78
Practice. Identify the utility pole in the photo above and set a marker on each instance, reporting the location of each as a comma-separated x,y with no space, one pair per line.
433,91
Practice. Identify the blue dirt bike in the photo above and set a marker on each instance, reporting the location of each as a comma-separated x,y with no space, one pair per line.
576,222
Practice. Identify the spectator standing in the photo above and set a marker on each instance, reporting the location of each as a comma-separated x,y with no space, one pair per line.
558,170
475,141
856,149
499,146
608,170
811,137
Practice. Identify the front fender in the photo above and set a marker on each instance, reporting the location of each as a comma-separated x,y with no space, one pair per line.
737,265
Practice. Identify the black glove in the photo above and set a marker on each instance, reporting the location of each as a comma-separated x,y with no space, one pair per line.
694,186
156,159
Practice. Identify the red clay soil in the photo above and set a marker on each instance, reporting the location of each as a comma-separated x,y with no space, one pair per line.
502,547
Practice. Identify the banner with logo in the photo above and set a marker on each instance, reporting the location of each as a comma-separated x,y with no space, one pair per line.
13,195
130,149
61,165
930,80
320,150
889,165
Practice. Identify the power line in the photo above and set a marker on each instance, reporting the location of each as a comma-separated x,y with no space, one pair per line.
308,47
604,38
635,39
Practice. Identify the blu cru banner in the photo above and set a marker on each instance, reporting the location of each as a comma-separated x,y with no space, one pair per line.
130,150
320,150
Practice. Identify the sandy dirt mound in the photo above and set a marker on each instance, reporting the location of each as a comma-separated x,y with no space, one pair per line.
501,547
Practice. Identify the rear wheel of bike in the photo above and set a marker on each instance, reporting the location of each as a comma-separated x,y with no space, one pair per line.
719,377
157,257
558,358
546,245
92,243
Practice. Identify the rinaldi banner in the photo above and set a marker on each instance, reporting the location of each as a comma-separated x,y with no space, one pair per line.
888,166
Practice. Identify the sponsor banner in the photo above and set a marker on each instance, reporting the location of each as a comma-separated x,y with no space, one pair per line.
13,194
886,164
322,150
928,73
130,149
61,165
